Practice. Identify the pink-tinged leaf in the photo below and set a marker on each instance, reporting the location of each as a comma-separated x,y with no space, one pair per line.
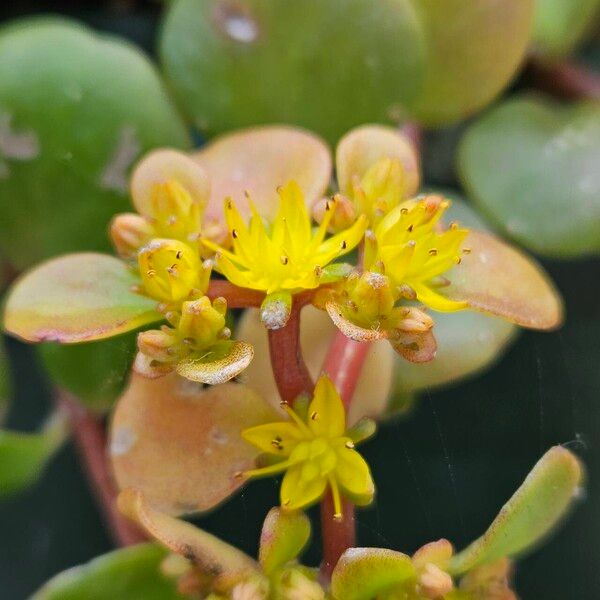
77,298
350,329
488,582
437,553
284,535
317,331
416,347
232,359
259,160
498,279
364,573
164,165
362,147
206,552
180,444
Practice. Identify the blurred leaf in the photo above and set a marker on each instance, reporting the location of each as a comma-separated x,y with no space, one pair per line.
284,535
180,444
532,168
326,66
561,24
363,573
77,298
76,110
532,512
23,456
95,372
126,574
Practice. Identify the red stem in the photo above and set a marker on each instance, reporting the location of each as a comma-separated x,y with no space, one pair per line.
90,439
343,364
289,369
564,79
236,297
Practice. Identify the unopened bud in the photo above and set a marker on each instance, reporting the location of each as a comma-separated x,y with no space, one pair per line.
157,345
254,589
372,294
201,322
275,310
169,270
434,583
295,585
174,211
344,216
414,320
129,232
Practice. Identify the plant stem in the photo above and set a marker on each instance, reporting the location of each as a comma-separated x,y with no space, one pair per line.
90,439
564,79
289,369
236,297
343,363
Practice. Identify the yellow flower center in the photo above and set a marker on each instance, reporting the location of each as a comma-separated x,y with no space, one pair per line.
287,255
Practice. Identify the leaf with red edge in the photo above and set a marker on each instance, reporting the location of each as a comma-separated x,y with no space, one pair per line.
259,160
364,146
77,298
180,444
498,279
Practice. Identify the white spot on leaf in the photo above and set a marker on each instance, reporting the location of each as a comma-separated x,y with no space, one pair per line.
115,173
123,439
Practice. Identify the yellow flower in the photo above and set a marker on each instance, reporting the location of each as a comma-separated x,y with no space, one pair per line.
287,256
408,247
315,452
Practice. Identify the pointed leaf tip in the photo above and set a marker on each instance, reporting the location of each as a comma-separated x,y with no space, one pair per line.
534,510
77,298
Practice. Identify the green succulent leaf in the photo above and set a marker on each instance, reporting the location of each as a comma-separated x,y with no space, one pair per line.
532,168
284,535
76,111
235,64
532,512
23,456
561,24
124,574
77,298
363,573
95,372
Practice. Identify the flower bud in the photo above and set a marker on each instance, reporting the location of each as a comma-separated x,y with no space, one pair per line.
295,585
344,216
414,320
129,232
372,295
253,589
202,322
158,345
174,212
169,270
434,583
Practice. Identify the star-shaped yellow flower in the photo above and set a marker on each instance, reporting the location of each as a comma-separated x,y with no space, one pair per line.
287,256
409,248
315,452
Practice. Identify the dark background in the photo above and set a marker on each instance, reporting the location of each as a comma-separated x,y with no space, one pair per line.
443,472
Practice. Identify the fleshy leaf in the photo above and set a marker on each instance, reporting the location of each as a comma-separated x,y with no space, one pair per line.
258,161
203,550
76,298
95,372
532,168
416,347
284,535
316,333
71,130
161,166
180,444
499,279
23,456
232,358
560,24
532,512
364,146
123,574
363,573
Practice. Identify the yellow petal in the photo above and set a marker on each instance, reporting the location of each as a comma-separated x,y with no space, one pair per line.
353,474
274,438
261,159
326,414
364,146
297,491
436,301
